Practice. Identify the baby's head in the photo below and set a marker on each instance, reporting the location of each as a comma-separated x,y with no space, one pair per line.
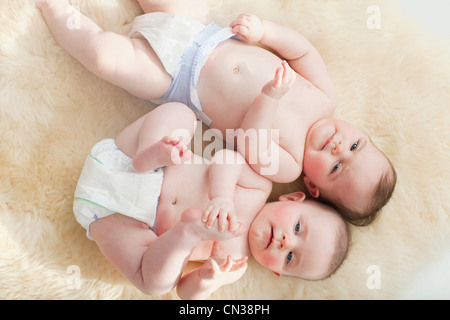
299,237
344,168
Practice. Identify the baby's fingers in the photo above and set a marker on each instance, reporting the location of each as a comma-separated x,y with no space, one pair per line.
227,266
278,80
240,260
243,18
206,213
288,73
233,223
239,264
223,220
241,32
214,266
241,21
234,264
212,217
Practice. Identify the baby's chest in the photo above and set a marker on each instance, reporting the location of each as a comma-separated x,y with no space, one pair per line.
290,134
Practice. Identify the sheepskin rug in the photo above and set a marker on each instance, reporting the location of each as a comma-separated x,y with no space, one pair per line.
393,82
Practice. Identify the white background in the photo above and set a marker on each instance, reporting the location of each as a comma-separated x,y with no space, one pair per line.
432,15
433,282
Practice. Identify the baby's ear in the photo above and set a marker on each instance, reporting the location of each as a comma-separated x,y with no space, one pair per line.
312,188
295,196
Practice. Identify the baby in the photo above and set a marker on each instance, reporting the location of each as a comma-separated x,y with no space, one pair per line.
278,109
137,195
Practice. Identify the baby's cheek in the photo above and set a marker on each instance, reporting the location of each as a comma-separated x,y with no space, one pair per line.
270,261
316,169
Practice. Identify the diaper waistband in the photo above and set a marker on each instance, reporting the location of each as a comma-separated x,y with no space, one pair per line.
203,45
190,66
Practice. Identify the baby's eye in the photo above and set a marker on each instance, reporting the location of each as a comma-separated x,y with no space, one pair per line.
289,257
297,227
354,146
336,167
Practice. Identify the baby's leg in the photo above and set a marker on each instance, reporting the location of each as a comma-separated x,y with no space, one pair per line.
159,138
128,63
153,264
195,9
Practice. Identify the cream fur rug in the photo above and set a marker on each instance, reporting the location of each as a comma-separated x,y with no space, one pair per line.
393,82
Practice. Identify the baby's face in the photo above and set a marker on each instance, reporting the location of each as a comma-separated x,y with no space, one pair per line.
295,237
342,163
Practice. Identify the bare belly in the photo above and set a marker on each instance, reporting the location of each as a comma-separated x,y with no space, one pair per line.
232,77
184,187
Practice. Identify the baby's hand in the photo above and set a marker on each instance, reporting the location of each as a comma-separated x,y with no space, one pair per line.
223,270
248,28
283,81
191,217
222,208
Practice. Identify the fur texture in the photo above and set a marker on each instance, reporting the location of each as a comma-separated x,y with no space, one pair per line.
393,82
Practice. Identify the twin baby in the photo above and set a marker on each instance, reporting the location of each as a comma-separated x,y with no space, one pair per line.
137,194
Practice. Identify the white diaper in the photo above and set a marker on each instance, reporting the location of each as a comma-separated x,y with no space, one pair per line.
108,184
169,35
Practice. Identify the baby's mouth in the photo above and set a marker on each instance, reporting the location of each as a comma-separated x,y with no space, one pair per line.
328,141
270,237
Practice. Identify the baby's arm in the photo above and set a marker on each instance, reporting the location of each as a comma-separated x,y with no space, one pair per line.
213,274
223,175
301,55
228,171
264,153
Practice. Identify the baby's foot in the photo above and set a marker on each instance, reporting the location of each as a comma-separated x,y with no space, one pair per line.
174,151
166,152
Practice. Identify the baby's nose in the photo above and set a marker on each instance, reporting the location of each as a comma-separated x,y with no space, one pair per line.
338,146
284,241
